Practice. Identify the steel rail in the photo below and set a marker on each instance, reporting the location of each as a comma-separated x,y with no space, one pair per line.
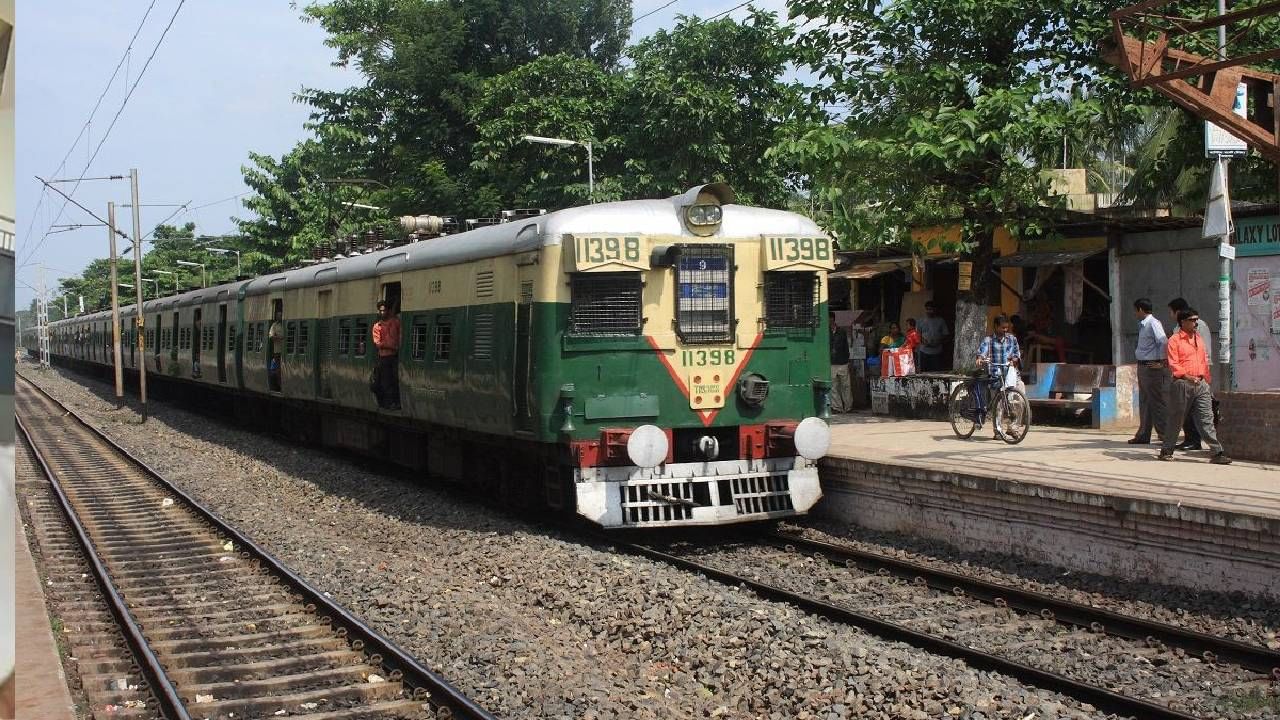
1209,647
162,689
380,649
1099,697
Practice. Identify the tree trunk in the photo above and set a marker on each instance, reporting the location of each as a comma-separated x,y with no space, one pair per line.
971,305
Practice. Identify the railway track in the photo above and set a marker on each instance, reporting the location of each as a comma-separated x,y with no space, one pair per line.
176,615
973,620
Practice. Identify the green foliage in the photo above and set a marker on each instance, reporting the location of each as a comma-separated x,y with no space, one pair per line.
705,102
948,105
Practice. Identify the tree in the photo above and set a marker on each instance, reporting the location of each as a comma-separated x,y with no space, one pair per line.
557,96
948,102
702,102
706,100
409,127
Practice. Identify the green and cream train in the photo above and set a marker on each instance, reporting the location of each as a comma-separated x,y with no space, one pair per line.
642,363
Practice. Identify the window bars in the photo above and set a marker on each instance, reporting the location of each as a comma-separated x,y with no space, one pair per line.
704,299
790,300
605,304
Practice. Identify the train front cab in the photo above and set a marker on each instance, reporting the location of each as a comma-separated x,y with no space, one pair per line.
695,371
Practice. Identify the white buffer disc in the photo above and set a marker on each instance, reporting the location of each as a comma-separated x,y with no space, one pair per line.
647,446
812,438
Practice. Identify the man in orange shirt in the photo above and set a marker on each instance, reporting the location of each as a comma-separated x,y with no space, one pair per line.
1189,366
386,338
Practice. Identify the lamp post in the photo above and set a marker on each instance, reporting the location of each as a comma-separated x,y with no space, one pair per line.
204,278
222,251
175,280
152,280
562,142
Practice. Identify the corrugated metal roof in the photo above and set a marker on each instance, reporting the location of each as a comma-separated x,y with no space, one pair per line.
1043,259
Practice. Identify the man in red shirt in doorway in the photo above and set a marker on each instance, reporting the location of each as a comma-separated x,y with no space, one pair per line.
386,338
1189,365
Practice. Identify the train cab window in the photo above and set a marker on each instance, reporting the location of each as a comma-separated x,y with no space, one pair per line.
302,345
262,337
252,331
605,304
790,299
442,340
418,339
344,337
704,288
290,338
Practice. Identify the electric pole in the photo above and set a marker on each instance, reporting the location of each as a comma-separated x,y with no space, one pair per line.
42,322
115,307
137,285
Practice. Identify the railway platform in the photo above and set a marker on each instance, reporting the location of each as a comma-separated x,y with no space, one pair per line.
41,684
1078,498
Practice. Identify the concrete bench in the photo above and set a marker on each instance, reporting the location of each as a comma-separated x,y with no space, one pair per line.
1108,393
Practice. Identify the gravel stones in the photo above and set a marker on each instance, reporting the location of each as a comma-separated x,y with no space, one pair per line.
532,623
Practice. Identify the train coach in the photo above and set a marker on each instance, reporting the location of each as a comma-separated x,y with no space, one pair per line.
642,363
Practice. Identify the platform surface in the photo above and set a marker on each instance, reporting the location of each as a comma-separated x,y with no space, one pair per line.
41,685
1074,459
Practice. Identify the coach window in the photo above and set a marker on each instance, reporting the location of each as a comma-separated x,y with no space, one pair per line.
344,337
704,288
302,346
790,300
418,341
360,337
442,339
290,338
605,304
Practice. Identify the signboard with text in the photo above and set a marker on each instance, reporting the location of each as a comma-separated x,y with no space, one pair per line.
1221,143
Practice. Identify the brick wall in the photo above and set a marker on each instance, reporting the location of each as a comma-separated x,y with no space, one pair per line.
1247,426
1141,540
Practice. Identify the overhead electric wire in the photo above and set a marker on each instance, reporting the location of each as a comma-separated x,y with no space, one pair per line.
124,103
85,127
663,7
726,12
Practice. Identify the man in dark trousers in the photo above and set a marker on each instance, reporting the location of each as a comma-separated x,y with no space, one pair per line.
1191,435
386,338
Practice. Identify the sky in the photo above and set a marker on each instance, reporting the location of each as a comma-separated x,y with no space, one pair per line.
220,86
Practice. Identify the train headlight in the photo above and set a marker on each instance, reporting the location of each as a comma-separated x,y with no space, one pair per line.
704,214
647,446
812,438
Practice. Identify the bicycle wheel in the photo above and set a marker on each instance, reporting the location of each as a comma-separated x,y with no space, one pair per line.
1013,415
962,410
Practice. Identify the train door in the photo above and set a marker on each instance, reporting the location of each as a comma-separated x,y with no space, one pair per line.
197,340
221,347
522,363
275,346
324,343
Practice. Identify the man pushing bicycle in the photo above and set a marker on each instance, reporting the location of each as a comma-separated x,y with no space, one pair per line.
1001,353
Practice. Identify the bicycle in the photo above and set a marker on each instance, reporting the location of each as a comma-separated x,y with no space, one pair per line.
969,401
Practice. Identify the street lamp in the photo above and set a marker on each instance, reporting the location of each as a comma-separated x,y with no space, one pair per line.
223,251
562,142
362,206
204,280
152,280
175,280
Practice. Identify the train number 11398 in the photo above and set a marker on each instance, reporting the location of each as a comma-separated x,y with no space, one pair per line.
799,249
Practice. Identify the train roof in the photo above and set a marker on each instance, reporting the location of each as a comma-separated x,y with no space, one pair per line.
630,217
